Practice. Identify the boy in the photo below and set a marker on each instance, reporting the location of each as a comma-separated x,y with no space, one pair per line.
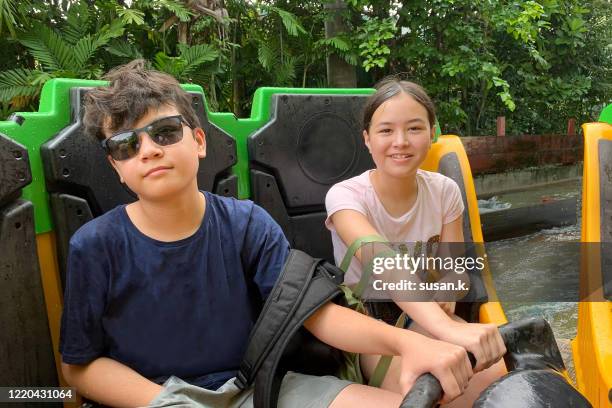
160,287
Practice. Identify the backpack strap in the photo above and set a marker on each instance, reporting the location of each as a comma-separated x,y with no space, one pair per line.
384,362
358,243
305,284
367,271
354,297
277,314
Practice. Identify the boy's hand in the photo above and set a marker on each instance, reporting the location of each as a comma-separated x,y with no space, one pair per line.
447,362
482,340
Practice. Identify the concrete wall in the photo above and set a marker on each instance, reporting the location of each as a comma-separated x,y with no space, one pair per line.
513,180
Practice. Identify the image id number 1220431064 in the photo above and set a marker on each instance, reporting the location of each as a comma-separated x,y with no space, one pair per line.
37,394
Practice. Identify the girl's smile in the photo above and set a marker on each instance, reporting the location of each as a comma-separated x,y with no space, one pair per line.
401,158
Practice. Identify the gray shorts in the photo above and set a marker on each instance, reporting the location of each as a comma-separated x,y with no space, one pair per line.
297,390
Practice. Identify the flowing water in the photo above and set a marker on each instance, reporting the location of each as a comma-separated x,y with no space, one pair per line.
518,262
533,264
558,190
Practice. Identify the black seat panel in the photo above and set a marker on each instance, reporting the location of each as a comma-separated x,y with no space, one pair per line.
26,351
311,143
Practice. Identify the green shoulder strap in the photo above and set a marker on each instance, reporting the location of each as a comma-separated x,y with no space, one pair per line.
383,364
352,250
354,298
367,271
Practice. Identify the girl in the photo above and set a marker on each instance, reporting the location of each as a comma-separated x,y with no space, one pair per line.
403,203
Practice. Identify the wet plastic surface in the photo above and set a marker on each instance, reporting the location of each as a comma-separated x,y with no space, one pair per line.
531,389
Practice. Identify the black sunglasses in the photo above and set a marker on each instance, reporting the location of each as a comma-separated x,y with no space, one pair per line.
163,132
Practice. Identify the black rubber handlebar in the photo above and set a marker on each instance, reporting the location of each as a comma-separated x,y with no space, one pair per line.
427,391
528,342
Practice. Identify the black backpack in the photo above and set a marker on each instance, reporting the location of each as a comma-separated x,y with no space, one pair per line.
278,342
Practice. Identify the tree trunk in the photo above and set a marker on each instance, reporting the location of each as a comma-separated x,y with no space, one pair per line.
237,82
340,74
182,33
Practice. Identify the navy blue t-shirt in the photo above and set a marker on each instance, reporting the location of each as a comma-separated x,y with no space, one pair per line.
182,308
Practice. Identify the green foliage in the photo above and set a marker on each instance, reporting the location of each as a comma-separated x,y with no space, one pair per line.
8,16
267,55
60,53
525,24
336,45
534,62
175,7
187,62
48,48
131,16
78,23
537,62
372,36
124,49
290,21
67,50
20,85
334,42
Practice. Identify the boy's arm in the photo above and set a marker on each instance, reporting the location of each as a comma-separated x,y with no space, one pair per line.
111,383
100,379
348,330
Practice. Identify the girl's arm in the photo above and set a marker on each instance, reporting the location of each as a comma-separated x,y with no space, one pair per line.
482,340
489,338
348,330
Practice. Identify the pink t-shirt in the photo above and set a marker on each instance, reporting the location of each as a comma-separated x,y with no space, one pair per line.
438,202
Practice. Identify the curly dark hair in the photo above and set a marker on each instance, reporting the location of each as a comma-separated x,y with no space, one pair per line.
133,90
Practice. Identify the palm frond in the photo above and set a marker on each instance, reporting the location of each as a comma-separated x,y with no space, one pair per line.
83,50
91,72
196,55
87,46
124,49
285,74
177,8
338,46
108,32
350,58
19,82
170,65
290,21
267,55
129,16
48,48
335,42
8,16
78,23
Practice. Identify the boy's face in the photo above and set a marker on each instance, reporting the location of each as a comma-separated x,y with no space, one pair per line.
158,172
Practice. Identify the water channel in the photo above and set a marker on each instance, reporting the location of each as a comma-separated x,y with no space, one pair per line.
533,263
515,264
